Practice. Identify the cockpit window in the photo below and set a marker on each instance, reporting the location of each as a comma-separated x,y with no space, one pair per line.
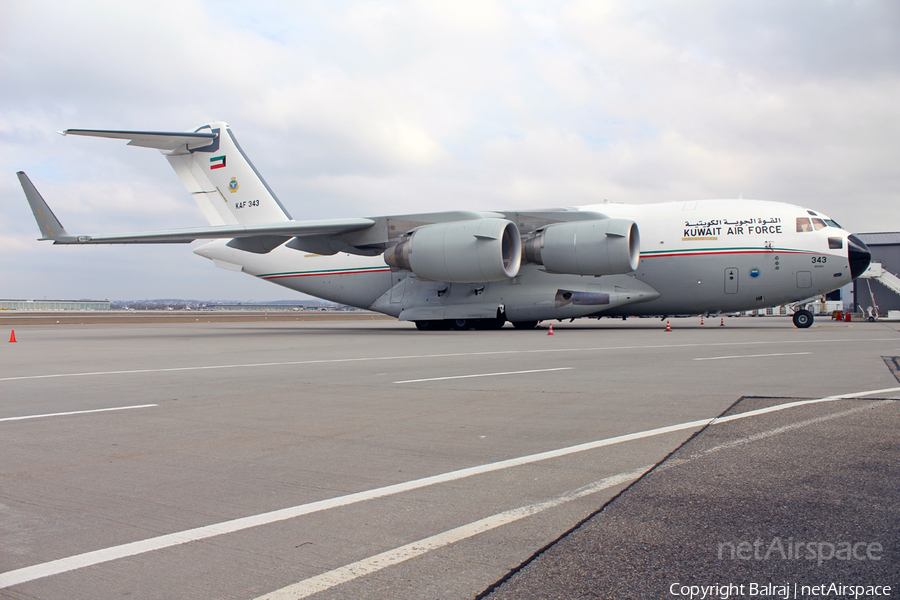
819,224
803,225
833,223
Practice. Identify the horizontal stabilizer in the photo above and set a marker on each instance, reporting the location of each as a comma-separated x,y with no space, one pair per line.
161,140
213,168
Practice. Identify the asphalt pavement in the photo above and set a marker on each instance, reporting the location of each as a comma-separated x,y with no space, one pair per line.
798,503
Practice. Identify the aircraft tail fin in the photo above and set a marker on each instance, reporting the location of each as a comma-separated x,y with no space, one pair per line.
51,228
214,169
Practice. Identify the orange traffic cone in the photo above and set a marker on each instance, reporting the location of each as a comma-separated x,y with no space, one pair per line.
722,324
701,320
668,326
12,336
551,330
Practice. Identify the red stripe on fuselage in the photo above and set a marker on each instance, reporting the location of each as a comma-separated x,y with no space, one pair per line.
324,274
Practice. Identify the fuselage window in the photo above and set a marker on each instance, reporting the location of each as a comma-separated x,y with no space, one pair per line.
835,243
803,225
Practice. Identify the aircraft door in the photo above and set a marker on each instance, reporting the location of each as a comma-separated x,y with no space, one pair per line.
731,280
804,279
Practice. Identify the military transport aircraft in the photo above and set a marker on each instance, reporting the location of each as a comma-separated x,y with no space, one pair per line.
464,269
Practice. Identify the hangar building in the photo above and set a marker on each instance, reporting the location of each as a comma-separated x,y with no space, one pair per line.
885,249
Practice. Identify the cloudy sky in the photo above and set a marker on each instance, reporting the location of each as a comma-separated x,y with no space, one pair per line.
369,108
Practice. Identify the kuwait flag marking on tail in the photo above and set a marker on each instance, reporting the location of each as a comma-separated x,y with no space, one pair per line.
217,162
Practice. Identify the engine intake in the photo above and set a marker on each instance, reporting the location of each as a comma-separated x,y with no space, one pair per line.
473,251
599,247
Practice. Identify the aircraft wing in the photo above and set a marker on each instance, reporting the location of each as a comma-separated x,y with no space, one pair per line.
363,236
169,236
52,229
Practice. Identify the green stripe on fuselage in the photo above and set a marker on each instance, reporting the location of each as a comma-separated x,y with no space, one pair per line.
728,249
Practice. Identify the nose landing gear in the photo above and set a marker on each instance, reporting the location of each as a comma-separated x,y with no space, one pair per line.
803,319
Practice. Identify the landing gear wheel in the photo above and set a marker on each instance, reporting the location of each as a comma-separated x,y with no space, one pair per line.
525,324
803,319
460,324
433,325
489,324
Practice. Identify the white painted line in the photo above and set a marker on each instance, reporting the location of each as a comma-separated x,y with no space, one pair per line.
71,563
791,426
328,580
429,356
752,355
777,407
486,375
76,412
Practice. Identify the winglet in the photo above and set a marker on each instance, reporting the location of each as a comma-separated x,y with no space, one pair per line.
51,228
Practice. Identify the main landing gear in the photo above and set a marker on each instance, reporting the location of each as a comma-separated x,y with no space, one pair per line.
460,324
803,319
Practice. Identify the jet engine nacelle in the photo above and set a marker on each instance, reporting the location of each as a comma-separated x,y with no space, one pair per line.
473,251
597,247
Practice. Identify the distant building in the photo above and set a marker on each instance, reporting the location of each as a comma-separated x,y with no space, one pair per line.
264,307
54,304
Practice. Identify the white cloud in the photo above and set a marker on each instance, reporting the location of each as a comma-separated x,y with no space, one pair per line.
366,108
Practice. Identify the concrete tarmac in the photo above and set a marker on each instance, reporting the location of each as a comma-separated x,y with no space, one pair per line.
345,459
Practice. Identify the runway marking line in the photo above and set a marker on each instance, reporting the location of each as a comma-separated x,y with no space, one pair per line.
486,375
777,407
427,356
675,462
752,355
76,412
366,566
78,561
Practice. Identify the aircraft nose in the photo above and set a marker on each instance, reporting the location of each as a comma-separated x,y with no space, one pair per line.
858,254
